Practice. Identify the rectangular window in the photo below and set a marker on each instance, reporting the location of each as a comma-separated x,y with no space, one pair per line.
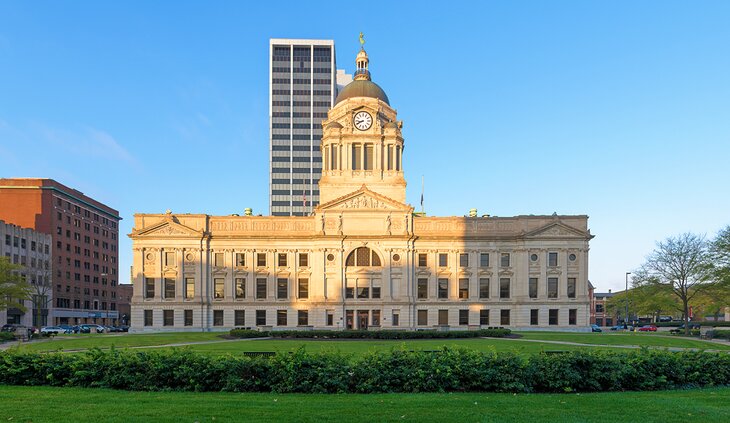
149,287
572,316
169,258
260,288
599,308
532,287
463,288
303,289
218,260
504,287
484,260
443,260
239,317
281,317
169,287
375,293
147,317
188,317
422,260
553,316
282,260
303,318
504,260
463,260
375,317
395,318
368,157
463,317
363,291
220,287
189,288
552,287
571,287
534,316
260,317
552,259
483,287
443,317
356,157
240,288
168,317
240,259
282,288
261,259
443,288
422,317
330,318
217,317
422,288
484,317
504,317
303,260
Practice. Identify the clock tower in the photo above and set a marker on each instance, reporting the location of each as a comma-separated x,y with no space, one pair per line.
362,142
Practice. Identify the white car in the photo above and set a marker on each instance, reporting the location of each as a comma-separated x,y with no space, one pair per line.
55,330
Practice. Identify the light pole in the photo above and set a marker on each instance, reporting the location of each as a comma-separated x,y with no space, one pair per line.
626,292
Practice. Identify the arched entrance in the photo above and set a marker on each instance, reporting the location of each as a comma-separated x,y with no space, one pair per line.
363,282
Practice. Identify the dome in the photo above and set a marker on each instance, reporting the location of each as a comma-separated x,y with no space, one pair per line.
362,88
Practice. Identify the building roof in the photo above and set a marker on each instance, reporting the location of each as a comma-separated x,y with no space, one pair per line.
362,88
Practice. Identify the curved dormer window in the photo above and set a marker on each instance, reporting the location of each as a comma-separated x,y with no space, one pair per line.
363,257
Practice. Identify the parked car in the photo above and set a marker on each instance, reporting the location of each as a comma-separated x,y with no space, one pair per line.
124,328
647,328
69,328
680,328
621,327
9,328
54,330
596,328
87,328
665,319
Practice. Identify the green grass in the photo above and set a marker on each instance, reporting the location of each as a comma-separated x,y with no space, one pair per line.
44,404
629,338
85,341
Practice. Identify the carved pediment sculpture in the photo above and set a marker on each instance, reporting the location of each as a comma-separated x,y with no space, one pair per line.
166,228
558,230
364,199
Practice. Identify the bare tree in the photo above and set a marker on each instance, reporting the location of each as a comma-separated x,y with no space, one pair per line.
41,292
682,265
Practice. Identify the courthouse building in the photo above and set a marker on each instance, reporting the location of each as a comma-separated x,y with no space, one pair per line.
362,259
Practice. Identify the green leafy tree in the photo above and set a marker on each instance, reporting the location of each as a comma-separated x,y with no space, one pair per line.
13,286
718,297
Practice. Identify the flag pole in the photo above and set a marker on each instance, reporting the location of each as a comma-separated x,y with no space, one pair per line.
422,185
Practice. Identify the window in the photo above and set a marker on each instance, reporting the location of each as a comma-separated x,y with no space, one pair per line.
422,317
463,317
504,260
218,260
261,259
571,287
363,291
217,317
368,157
330,318
303,260
395,318
532,287
572,316
356,157
147,317
240,259
302,318
169,287
362,256
7,240
443,288
282,288
188,317
219,288
504,317
463,288
422,260
484,317
443,260
260,317
168,317
149,287
552,287
282,259
553,316
552,259
534,316
281,317
483,287
422,288
260,288
189,288
169,258
504,287
463,260
599,308
484,260
240,288
239,318
303,288
443,317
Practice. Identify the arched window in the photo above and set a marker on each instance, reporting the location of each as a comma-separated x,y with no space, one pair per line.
363,256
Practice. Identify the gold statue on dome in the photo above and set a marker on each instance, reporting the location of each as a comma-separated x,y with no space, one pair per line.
362,41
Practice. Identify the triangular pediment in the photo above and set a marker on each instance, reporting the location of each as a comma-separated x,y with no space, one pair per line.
558,230
364,199
167,228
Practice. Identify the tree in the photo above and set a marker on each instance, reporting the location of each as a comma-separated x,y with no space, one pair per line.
13,286
681,265
41,292
719,296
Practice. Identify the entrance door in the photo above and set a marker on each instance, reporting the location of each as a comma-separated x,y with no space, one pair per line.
362,319
349,319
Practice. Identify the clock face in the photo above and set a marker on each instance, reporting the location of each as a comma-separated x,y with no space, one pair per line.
362,120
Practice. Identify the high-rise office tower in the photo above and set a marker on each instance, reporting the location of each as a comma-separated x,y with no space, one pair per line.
303,83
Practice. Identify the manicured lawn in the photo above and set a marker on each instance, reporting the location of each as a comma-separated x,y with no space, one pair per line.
44,404
84,341
628,338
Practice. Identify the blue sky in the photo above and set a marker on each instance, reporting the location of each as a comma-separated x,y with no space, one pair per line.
617,110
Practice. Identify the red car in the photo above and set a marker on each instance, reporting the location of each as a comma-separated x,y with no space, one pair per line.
647,328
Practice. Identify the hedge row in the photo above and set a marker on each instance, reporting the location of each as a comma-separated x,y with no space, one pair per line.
723,334
679,323
7,336
446,370
381,334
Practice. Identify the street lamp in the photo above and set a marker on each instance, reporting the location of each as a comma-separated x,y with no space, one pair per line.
626,292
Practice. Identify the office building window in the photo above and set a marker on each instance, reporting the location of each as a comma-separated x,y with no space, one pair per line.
282,259
422,260
218,260
219,288
463,288
463,317
552,287
463,260
168,317
483,287
303,289
240,288
443,317
552,259
484,260
239,317
443,259
189,288
443,288
532,287
303,318
533,316
504,287
149,287
504,317
422,288
169,288
281,317
260,288
303,260
188,317
260,317
572,316
484,317
553,316
261,259
422,317
217,317
571,287
147,317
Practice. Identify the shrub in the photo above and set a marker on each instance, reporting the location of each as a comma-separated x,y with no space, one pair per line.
6,336
382,334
